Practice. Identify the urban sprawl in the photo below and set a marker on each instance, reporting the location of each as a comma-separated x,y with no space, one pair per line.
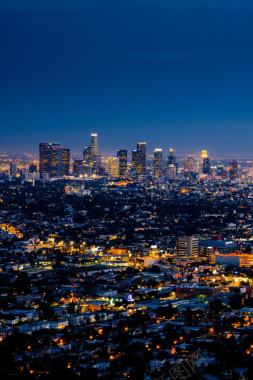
118,268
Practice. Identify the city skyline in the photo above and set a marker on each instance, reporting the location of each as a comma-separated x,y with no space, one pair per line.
151,147
57,161
182,73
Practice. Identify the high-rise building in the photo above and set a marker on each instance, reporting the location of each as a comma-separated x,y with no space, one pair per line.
190,167
158,162
13,169
96,156
87,156
204,154
206,166
92,156
142,148
233,169
122,157
172,171
112,167
137,162
172,166
44,164
250,170
78,168
204,162
54,160
4,163
171,157
94,144
188,246
65,162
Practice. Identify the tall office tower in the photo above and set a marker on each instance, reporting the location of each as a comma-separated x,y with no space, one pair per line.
233,169
190,166
142,148
206,166
172,166
95,160
188,246
250,170
158,162
137,162
203,154
44,159
112,167
78,168
204,162
171,157
54,160
4,163
94,144
87,156
172,171
88,161
13,169
65,161
122,157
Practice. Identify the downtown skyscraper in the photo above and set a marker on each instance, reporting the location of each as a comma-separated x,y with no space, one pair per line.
139,158
172,166
54,160
142,148
122,157
91,154
158,162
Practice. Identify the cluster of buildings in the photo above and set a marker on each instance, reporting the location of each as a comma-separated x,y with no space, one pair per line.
55,161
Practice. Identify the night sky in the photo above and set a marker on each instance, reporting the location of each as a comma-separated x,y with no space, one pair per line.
172,72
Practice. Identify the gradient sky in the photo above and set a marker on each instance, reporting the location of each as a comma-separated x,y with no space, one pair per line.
172,72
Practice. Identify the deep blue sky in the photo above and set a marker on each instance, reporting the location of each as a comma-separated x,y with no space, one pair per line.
173,72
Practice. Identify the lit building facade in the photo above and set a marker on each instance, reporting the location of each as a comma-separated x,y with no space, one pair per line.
112,167
172,167
122,158
234,259
13,169
190,166
206,166
92,156
188,246
233,169
142,149
54,160
158,162
78,168
137,162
